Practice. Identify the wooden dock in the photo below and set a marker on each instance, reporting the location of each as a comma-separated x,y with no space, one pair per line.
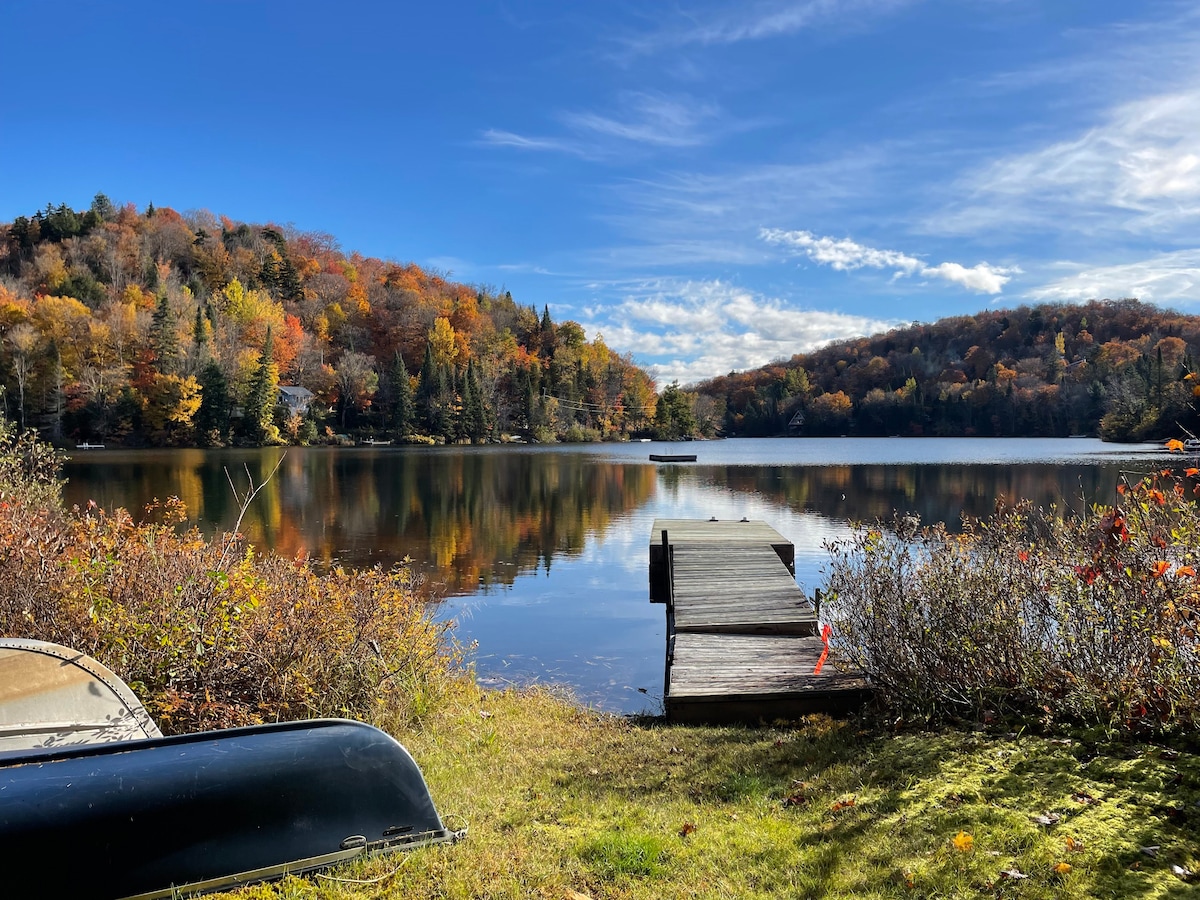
741,635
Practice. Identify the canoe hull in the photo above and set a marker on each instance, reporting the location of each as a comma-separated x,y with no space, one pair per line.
207,811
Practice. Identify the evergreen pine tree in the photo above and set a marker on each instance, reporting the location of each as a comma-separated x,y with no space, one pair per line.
474,409
427,392
163,338
403,409
258,425
199,331
212,418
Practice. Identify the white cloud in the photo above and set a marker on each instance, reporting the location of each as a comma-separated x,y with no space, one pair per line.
641,118
846,255
736,23
981,278
690,330
1138,169
1165,278
500,138
650,119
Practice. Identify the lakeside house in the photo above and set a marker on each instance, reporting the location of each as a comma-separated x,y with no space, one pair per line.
295,399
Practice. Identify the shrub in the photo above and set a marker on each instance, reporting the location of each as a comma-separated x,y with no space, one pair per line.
1091,618
207,632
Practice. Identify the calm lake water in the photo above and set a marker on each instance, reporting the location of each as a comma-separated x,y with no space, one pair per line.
541,552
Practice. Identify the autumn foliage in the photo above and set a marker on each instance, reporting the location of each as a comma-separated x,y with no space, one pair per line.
208,632
137,327
1122,369
1091,618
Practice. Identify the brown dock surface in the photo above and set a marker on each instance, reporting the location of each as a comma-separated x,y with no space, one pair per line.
747,678
741,642
739,589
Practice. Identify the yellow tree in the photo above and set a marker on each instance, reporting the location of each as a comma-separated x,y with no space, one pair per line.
444,344
22,340
170,407
64,321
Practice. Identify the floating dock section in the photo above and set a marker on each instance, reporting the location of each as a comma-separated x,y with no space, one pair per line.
741,636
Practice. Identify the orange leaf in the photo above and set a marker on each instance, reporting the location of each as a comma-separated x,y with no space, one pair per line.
1121,488
1175,446
1192,471
1160,568
1186,570
687,829
1159,497
963,842
1062,868
842,804
1023,555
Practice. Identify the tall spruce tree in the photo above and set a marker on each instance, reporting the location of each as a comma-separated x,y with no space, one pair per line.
212,418
258,425
475,418
403,412
163,337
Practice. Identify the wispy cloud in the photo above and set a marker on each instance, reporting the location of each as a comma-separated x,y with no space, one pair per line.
732,24
690,330
1137,170
845,255
500,138
638,118
651,118
1164,278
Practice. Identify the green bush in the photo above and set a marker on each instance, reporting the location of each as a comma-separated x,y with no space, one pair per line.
1090,618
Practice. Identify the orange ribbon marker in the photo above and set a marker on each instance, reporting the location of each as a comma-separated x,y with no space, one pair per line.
825,632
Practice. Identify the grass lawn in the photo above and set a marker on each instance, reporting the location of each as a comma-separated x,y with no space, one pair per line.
563,802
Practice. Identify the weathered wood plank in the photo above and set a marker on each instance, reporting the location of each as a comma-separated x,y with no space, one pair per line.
739,629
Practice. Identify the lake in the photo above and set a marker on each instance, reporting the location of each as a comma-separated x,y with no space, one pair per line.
541,551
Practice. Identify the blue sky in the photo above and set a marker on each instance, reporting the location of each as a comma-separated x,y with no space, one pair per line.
710,186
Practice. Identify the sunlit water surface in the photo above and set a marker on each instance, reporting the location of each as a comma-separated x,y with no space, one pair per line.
541,552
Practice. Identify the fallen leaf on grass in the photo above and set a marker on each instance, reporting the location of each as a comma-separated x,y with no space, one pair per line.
1061,868
963,842
575,895
842,804
687,829
1012,874
1074,845
909,881
1047,818
1183,872
796,799
1084,798
1151,851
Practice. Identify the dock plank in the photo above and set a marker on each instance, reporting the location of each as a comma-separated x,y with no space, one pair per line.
740,632
737,588
739,677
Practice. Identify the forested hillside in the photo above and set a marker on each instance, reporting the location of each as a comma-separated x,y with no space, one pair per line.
1124,370
154,327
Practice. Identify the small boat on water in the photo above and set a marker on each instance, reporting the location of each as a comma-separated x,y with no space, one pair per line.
141,815
673,457
1191,445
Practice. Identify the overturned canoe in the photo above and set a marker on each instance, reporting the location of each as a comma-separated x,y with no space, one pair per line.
53,696
196,812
